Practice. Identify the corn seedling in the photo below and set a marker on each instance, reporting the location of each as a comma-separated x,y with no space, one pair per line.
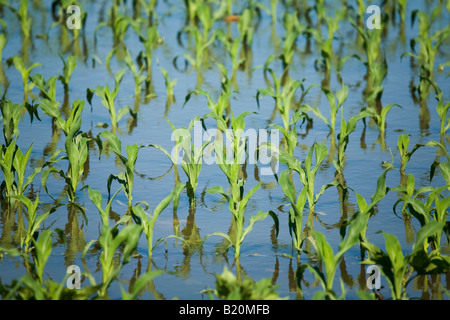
343,136
191,161
330,261
282,96
229,287
22,15
14,164
245,27
232,168
442,110
25,73
41,252
380,119
169,86
138,76
326,45
429,45
147,221
150,43
11,113
290,134
34,222
69,67
405,155
3,40
201,45
307,177
126,179
219,107
232,47
47,88
293,29
76,148
110,240
397,268
150,12
423,212
365,211
341,96
376,64
108,99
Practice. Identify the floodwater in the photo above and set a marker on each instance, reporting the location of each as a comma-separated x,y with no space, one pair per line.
187,273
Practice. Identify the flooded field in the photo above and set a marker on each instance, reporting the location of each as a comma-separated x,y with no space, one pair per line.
152,144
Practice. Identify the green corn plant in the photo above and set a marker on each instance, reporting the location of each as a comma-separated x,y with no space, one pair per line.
245,27
150,43
307,178
365,211
326,46
24,72
108,99
14,164
341,97
34,222
3,41
11,113
330,261
111,239
273,10
376,64
343,136
282,96
232,47
22,15
424,212
149,8
442,110
41,252
191,161
126,179
380,119
232,169
229,287
429,45
290,135
47,88
118,22
169,86
405,155
96,197
147,221
138,76
203,13
76,148
201,45
50,107
296,210
398,269
293,29
194,11
69,67
219,107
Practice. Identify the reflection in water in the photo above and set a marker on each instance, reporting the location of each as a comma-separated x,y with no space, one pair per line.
74,235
